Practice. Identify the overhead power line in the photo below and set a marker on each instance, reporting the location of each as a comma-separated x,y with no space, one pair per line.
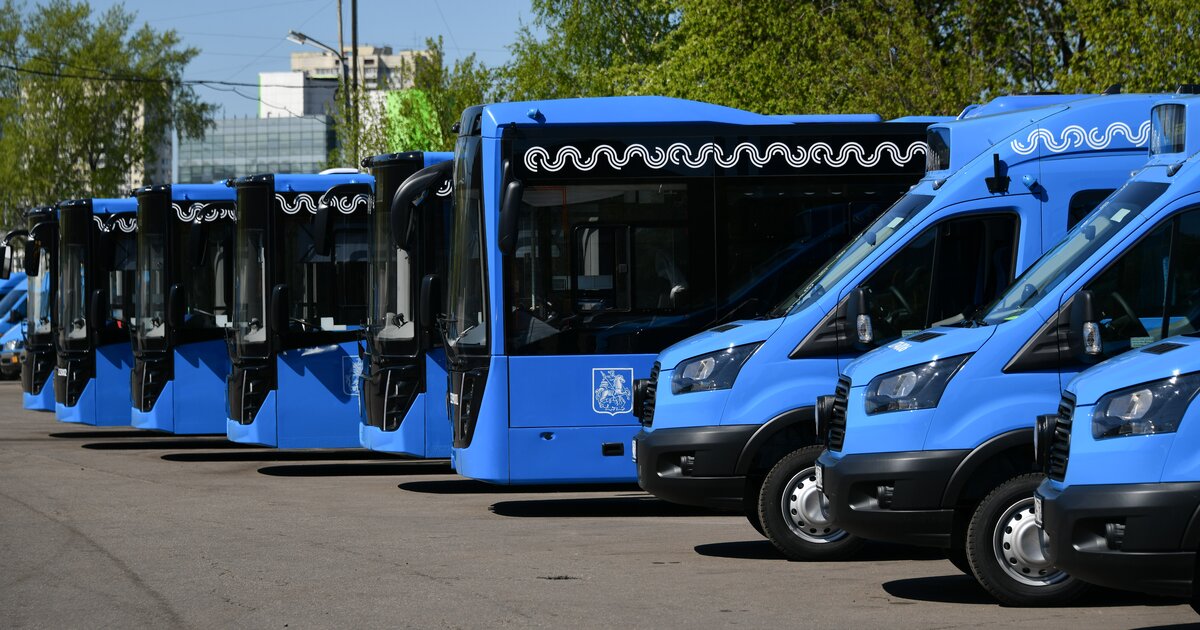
140,79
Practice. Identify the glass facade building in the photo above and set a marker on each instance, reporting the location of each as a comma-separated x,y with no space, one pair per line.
236,147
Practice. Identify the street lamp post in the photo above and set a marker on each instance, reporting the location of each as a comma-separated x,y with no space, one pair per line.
302,39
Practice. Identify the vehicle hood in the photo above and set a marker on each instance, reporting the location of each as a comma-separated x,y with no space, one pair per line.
719,338
1137,366
922,347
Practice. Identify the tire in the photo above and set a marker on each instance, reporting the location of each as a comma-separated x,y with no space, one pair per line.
1004,549
958,557
787,489
750,504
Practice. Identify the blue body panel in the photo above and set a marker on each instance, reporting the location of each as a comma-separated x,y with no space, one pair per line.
1052,148
982,400
105,398
192,403
44,400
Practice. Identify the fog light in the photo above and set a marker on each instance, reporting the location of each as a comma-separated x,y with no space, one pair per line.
883,494
687,463
1114,535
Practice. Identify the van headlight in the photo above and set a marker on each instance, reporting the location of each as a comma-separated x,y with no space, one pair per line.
915,387
708,372
1146,409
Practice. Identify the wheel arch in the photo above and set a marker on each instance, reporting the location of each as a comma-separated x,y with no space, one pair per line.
779,436
988,465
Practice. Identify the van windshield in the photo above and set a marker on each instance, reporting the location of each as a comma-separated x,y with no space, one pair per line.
1085,239
844,263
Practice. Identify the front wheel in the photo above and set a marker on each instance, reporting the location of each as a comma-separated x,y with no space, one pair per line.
795,515
1004,548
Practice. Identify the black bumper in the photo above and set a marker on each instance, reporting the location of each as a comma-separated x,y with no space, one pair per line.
910,513
1156,552
694,465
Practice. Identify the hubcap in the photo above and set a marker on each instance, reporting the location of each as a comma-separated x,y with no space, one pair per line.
806,510
1018,547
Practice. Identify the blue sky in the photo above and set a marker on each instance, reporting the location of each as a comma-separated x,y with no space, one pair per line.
239,39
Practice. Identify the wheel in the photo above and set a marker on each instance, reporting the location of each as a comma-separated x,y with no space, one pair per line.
750,504
958,557
1004,548
795,516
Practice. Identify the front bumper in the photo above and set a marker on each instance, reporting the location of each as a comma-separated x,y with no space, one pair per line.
694,465
1156,551
892,497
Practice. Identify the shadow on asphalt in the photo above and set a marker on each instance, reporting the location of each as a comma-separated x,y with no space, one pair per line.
273,455
118,434
470,486
764,550
963,589
166,445
599,507
358,470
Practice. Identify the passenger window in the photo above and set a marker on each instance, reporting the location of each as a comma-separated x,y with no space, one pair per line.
661,268
1183,291
943,275
1083,202
1128,295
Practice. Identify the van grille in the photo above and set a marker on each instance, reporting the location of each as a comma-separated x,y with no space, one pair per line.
647,409
837,416
1060,442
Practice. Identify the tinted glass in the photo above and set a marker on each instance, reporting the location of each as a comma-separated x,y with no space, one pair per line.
467,308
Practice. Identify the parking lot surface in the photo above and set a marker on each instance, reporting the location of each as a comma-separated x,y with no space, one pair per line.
121,528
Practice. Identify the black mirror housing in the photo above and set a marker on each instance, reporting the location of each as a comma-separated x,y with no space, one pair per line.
510,206
431,303
279,307
408,196
176,306
1084,337
858,318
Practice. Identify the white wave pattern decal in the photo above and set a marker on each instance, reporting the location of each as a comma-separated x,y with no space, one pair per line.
1076,137
304,201
124,224
195,213
446,190
799,156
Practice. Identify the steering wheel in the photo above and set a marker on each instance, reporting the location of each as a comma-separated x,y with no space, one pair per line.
1133,318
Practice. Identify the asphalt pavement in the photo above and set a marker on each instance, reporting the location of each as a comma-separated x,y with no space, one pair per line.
118,528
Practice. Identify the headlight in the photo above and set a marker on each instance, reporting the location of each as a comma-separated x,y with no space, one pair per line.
915,387
13,345
1145,409
715,370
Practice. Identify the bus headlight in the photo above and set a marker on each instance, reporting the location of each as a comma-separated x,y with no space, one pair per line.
712,371
914,387
1146,409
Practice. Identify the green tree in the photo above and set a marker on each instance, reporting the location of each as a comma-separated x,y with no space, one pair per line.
91,99
1147,45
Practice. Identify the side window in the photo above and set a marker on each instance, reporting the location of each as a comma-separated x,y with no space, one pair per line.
660,275
1083,202
601,268
1128,295
1183,290
943,275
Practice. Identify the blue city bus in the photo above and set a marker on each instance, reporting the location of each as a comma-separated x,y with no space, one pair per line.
182,306
591,233
729,420
301,284
1120,498
40,244
96,255
929,437
403,389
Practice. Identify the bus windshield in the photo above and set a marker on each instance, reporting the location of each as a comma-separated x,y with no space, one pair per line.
75,229
844,263
466,321
1085,239
250,279
149,295
38,307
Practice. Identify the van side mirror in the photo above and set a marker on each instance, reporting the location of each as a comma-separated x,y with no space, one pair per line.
279,307
510,207
176,305
431,301
406,198
858,315
1085,329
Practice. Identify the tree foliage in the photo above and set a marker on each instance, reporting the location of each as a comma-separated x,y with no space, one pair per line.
90,99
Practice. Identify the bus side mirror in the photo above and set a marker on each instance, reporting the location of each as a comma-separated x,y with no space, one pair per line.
176,304
32,260
197,238
323,229
106,251
1085,330
406,199
431,301
9,262
44,234
279,307
510,207
329,206
858,315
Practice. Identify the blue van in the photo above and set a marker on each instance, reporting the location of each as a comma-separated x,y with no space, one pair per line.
300,291
39,244
403,388
96,254
591,233
1120,504
181,307
929,437
729,416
